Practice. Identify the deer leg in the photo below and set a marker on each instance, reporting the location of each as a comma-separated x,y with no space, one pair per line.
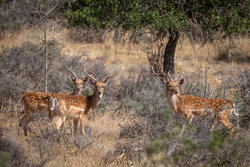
75,122
223,119
53,108
191,119
212,122
62,112
187,115
230,125
23,123
19,129
82,123
20,126
211,129
183,129
63,121
26,122
51,116
69,125
60,123
225,123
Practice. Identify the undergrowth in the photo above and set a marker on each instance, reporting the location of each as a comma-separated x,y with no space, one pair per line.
132,126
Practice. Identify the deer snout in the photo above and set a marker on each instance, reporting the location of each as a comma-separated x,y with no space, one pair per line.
79,87
173,91
100,90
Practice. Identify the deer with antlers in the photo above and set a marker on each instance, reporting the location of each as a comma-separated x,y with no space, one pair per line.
37,103
194,106
79,107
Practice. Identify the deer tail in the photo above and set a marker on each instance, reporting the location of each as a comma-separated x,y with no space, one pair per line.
22,100
235,110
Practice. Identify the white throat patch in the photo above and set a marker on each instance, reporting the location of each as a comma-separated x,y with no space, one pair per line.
101,95
173,99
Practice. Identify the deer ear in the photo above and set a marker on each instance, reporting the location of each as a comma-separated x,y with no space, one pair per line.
73,79
92,82
181,81
163,81
84,79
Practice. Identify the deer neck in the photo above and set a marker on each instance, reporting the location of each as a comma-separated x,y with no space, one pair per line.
95,99
173,100
76,92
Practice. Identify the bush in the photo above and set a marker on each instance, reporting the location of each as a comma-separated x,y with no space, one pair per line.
159,129
22,71
14,14
132,126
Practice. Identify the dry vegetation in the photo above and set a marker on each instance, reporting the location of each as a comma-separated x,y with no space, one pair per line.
133,125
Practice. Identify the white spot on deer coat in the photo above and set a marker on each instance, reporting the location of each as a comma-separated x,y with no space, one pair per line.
77,108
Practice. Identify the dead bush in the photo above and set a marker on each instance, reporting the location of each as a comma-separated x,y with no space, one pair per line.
14,14
22,71
86,35
13,152
144,95
133,125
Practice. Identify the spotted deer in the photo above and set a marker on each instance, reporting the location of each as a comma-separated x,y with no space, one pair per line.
37,103
194,106
79,107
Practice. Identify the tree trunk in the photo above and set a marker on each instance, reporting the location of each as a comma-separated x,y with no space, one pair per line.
46,59
168,61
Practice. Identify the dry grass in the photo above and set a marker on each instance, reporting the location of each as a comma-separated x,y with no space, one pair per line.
115,135
95,148
133,112
189,57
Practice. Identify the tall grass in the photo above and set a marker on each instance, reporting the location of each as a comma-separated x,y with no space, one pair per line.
132,126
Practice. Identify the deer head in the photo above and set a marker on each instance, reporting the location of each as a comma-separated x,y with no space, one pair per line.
78,83
99,86
172,85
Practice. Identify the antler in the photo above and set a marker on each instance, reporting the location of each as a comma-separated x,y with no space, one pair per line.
70,71
85,78
170,77
162,75
108,77
179,77
153,71
90,76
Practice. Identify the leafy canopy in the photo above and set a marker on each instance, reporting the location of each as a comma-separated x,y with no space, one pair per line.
228,16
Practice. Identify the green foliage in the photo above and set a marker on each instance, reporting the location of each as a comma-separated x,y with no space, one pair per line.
153,148
167,114
5,1
5,159
191,144
227,16
159,15
217,141
87,92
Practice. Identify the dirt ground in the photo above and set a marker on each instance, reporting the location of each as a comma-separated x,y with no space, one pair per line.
100,145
